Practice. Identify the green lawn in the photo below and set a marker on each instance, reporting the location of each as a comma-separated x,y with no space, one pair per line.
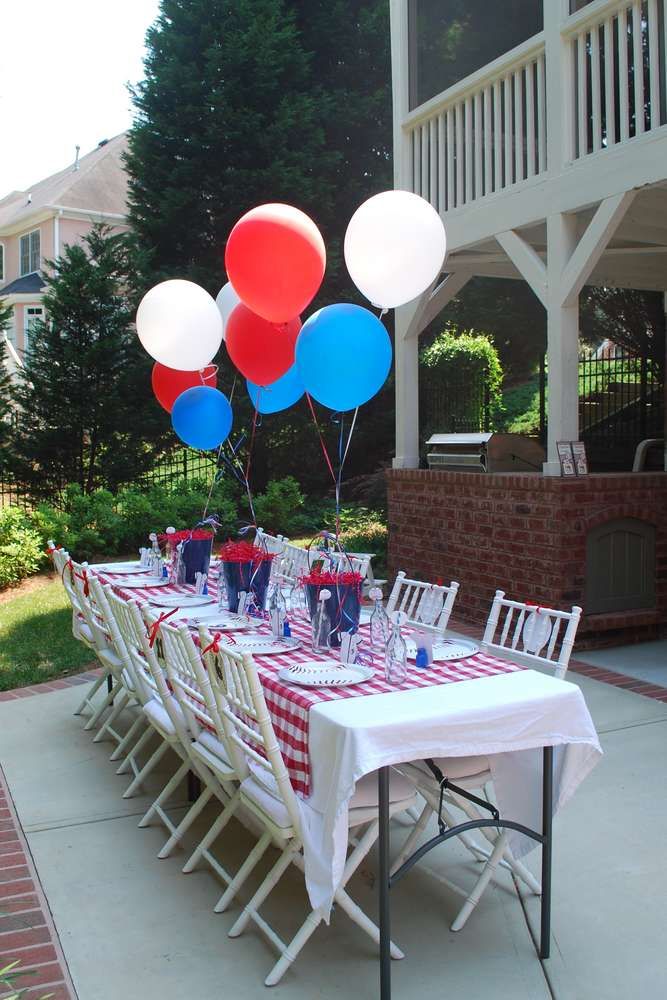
36,642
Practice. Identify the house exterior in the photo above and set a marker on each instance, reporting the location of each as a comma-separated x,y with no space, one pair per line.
36,223
548,163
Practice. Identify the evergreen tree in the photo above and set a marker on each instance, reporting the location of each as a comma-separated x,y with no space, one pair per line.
86,414
6,312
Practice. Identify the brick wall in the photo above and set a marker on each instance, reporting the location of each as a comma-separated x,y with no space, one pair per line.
523,533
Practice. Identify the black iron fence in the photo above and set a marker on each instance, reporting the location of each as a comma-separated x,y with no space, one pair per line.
453,405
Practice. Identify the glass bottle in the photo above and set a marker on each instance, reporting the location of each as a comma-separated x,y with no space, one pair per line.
380,627
321,625
396,654
277,609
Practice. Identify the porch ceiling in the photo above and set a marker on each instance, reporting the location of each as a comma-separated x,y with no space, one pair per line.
636,257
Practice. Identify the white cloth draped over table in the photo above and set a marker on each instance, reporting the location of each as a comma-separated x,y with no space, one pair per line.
511,715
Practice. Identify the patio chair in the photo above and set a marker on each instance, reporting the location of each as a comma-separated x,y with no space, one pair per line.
529,633
129,699
69,570
267,793
211,757
427,605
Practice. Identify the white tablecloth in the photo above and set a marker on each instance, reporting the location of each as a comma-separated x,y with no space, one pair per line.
512,716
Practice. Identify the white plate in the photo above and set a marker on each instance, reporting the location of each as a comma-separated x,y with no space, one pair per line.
143,582
264,645
181,600
123,568
228,623
325,673
446,649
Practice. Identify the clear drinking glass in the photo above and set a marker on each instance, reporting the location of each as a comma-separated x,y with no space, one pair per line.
321,626
277,609
396,654
380,626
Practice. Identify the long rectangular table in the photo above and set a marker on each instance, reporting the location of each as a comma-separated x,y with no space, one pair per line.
510,715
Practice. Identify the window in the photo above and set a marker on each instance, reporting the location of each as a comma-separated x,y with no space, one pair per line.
2,261
29,251
32,315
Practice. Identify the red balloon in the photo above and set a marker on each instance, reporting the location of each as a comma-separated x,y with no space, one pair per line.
275,259
260,350
168,383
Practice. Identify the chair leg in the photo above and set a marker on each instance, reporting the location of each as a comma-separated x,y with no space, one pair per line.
129,764
482,882
91,692
130,735
202,849
306,930
412,838
152,762
97,713
270,881
242,874
186,822
106,729
165,794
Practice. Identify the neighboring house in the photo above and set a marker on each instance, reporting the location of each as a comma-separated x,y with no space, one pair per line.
37,223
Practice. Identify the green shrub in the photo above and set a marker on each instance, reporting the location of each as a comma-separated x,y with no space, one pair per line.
372,536
21,548
459,371
281,508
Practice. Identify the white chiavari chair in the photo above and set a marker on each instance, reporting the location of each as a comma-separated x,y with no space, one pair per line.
267,793
428,605
532,634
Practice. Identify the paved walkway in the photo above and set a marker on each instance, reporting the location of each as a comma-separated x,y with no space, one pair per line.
134,927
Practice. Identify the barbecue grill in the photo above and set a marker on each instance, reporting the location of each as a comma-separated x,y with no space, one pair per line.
485,453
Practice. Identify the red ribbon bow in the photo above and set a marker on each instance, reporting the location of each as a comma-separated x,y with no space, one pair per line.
531,604
152,632
213,647
83,576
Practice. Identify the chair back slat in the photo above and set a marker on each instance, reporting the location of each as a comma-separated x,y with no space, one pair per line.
244,707
425,604
532,628
99,596
137,665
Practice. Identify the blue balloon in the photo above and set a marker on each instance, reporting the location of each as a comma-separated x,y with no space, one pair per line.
279,395
202,417
343,354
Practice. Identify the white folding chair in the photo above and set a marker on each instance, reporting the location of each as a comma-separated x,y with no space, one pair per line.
268,794
525,632
211,758
128,700
428,605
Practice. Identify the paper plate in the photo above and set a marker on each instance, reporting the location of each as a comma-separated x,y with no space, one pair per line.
221,621
181,600
124,569
264,645
325,673
143,582
446,649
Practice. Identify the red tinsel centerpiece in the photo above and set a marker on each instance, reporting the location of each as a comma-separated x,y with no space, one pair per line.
194,534
327,578
244,552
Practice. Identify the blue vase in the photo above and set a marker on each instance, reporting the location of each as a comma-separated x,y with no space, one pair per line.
196,554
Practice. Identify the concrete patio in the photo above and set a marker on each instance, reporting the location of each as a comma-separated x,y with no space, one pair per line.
135,927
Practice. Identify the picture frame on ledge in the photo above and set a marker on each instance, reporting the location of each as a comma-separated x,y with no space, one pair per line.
566,458
579,456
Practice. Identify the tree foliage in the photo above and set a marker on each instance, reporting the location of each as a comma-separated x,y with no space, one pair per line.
635,320
86,415
6,312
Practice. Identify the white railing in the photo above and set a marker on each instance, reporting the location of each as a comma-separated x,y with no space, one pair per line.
617,65
483,135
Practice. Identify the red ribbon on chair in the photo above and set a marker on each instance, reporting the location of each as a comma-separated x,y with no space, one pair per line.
213,647
532,604
152,632
83,576
70,566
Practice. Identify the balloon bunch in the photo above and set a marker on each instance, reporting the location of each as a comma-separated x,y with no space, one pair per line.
275,260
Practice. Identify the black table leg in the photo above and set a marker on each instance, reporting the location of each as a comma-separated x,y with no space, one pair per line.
547,796
385,916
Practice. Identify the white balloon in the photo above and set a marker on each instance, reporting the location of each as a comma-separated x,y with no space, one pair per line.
179,325
227,300
395,247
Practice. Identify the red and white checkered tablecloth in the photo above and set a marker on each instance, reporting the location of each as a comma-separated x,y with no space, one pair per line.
290,705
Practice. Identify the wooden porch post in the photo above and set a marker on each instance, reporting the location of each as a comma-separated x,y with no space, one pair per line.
562,342
407,391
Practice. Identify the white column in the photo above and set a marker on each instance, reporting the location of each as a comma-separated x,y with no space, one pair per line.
407,392
562,342
664,430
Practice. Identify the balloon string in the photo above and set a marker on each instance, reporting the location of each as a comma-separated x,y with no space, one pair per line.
322,442
342,455
248,464
213,481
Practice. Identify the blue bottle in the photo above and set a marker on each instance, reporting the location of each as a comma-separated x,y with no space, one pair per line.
421,659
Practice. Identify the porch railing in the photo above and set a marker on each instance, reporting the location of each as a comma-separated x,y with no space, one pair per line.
490,132
617,65
482,135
